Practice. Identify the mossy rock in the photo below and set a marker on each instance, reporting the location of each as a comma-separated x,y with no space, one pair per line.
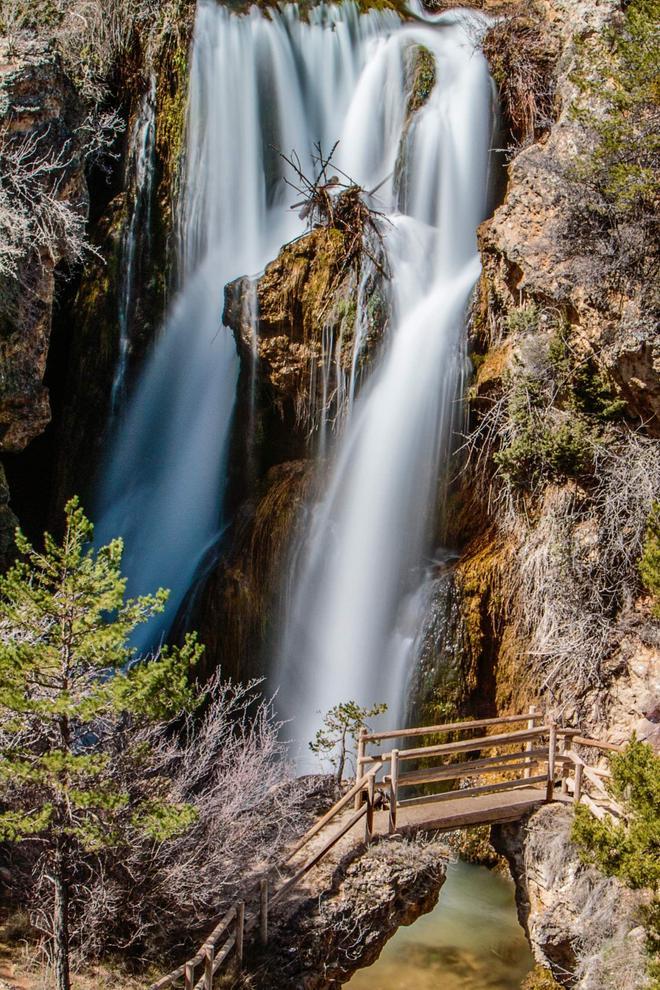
422,76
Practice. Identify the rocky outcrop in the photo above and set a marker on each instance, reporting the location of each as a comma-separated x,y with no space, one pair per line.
39,113
529,246
345,927
585,928
298,321
305,329
566,364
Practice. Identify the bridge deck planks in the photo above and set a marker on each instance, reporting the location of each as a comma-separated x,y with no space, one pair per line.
502,806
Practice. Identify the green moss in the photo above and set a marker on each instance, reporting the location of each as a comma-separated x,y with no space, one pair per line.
422,74
540,979
171,102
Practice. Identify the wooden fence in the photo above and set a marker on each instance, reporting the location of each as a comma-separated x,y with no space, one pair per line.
538,755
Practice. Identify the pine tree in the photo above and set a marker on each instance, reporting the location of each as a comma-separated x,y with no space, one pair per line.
73,783
340,725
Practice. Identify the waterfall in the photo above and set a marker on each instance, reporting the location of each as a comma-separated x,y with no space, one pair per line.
258,84
370,538
139,176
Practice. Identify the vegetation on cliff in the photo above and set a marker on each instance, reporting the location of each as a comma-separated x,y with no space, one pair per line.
649,562
522,54
120,834
629,850
616,183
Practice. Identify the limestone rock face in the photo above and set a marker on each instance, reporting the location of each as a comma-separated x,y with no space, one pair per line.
526,249
297,322
344,927
582,926
37,103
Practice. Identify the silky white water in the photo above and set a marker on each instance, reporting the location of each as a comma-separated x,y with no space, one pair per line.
139,176
257,85
370,537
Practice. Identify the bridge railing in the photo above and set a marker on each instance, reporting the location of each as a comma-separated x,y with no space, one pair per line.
522,751
225,943
586,783
537,753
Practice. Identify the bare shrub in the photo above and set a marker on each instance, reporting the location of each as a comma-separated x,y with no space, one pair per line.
578,567
161,897
522,57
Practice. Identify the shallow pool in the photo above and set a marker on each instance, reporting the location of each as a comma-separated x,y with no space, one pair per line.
470,941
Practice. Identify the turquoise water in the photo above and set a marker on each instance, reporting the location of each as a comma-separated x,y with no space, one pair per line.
470,941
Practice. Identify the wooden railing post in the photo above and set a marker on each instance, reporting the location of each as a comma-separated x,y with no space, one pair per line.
568,744
189,977
361,751
394,788
263,911
240,931
369,818
577,793
552,747
529,745
208,967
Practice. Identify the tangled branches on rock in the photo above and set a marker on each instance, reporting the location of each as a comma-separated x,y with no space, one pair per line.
331,201
577,568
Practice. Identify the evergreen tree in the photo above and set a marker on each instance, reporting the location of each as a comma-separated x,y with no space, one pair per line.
341,725
73,782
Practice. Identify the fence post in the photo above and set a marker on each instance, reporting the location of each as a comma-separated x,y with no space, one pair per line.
189,976
208,967
568,744
530,742
552,746
361,750
369,821
240,925
394,788
263,911
577,793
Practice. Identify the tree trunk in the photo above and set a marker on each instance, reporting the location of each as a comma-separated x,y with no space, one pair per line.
61,921
342,758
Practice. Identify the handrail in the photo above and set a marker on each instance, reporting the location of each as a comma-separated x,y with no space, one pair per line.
425,730
357,788
228,935
467,745
206,954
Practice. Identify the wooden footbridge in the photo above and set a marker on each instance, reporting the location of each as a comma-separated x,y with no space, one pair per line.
482,772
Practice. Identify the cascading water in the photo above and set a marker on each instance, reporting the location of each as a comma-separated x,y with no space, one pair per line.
257,84
139,176
260,84
370,537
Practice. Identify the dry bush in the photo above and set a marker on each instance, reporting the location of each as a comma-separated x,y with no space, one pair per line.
160,898
601,917
90,35
577,567
522,58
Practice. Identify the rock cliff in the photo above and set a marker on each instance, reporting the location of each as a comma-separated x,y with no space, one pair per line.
585,928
